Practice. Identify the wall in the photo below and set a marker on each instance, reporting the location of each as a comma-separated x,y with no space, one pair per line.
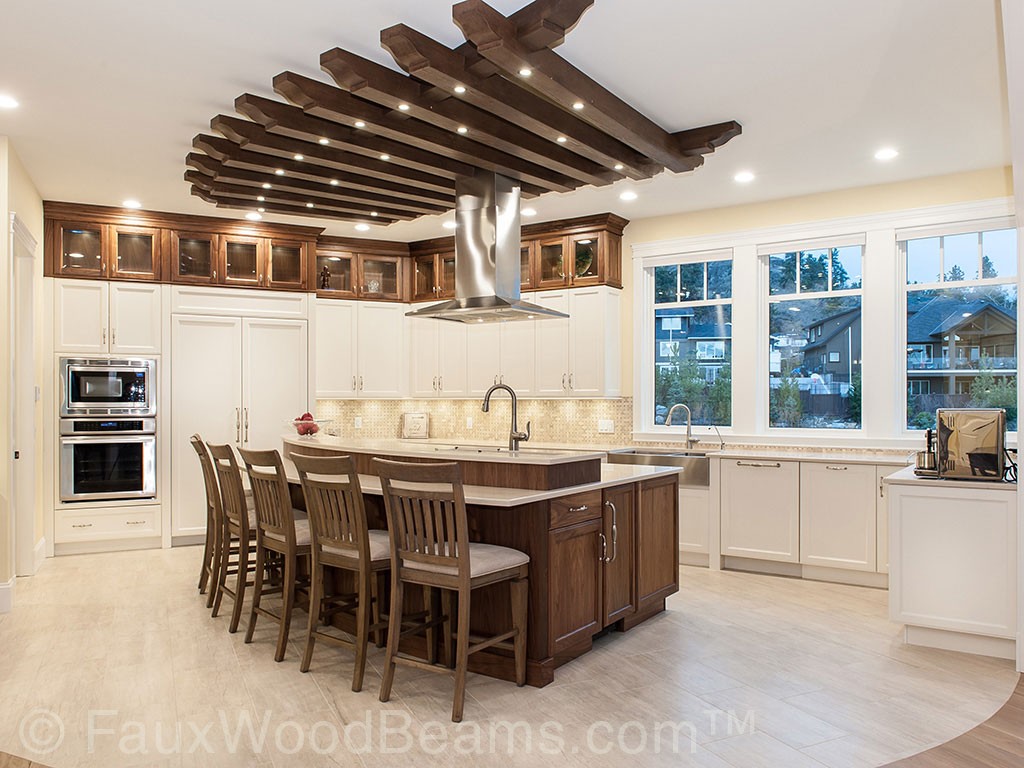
938,190
6,566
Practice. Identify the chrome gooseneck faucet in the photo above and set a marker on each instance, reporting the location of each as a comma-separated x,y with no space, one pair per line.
689,421
514,435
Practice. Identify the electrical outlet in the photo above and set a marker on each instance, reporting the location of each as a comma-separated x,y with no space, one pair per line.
605,426
469,422
358,422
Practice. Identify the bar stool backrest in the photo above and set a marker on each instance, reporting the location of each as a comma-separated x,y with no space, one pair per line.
232,492
270,494
213,503
334,503
426,509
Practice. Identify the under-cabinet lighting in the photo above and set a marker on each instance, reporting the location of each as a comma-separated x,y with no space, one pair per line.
886,153
628,195
253,216
131,204
8,102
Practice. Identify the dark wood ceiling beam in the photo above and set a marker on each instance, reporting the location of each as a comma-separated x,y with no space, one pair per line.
369,80
556,79
275,196
707,138
234,203
426,59
252,179
287,120
545,23
251,135
231,154
322,100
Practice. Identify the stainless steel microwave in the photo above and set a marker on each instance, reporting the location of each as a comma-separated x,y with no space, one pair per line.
101,387
971,443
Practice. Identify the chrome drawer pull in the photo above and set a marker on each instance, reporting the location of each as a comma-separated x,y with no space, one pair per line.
583,508
134,522
762,464
81,525
836,469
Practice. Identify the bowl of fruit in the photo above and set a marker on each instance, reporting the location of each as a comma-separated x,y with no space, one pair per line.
306,426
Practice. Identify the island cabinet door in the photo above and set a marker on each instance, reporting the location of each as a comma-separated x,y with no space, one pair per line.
575,572
657,537
619,586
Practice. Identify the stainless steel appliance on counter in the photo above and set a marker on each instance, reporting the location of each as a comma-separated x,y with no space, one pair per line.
107,459
102,387
971,443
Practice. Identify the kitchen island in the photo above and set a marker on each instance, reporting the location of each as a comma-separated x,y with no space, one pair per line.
602,551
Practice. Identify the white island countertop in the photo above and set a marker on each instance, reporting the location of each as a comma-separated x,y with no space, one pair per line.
486,496
907,477
445,451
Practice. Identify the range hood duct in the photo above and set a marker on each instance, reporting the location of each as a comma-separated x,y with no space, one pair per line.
487,249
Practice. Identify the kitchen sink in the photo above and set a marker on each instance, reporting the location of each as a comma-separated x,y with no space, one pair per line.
694,465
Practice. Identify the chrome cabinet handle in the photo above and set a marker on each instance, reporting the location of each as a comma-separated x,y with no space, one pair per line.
762,464
440,383
835,468
238,425
360,383
245,436
881,488
215,275
134,522
354,384
615,531
495,378
501,379
81,525
104,335
113,336
582,508
563,381
434,383
261,279
570,382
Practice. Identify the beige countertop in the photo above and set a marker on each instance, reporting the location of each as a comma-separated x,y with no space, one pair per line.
839,456
906,476
611,475
446,451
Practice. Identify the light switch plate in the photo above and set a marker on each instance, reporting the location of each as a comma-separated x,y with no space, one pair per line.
469,422
359,422
605,426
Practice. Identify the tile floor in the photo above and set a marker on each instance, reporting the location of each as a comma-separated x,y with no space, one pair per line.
116,658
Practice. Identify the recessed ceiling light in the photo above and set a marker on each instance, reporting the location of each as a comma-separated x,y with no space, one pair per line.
260,199
628,195
360,124
373,213
279,172
131,204
362,227
404,107
309,205
449,225
619,166
528,212
325,142
266,186
578,105
385,157
460,89
334,182
525,72
886,153
300,158
561,139
261,210
8,102
743,177
253,216
462,129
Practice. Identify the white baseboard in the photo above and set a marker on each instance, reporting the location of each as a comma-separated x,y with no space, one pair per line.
7,596
982,645
96,547
38,555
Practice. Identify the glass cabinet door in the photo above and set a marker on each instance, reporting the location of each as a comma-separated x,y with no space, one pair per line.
552,263
379,277
136,253
334,273
424,285
81,250
446,285
526,266
287,267
194,258
243,264
585,264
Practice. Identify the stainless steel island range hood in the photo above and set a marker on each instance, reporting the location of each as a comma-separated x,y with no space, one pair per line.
487,246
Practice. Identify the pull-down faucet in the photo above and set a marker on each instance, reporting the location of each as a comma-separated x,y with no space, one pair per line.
689,422
514,435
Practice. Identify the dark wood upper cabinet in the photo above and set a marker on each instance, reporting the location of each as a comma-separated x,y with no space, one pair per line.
552,267
195,258
336,274
286,265
527,258
244,260
135,252
79,250
433,276
380,277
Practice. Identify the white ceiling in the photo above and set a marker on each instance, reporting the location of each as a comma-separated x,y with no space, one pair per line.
112,92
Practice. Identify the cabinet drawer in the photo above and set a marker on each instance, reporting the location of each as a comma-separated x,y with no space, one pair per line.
575,509
104,524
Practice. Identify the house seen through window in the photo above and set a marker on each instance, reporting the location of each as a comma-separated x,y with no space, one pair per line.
693,341
961,324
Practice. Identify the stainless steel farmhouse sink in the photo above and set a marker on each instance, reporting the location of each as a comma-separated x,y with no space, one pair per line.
694,466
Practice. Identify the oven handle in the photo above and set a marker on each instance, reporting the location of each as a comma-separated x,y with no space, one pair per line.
122,438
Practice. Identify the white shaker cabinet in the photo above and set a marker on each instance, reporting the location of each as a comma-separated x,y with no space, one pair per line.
233,380
518,361
335,349
360,349
552,347
761,509
483,345
94,317
694,529
438,358
882,518
837,515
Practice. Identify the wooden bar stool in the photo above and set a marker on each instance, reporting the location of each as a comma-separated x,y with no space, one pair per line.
236,551
280,529
214,515
341,540
430,547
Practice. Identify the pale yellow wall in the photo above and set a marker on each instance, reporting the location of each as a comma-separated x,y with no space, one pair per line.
938,190
24,200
